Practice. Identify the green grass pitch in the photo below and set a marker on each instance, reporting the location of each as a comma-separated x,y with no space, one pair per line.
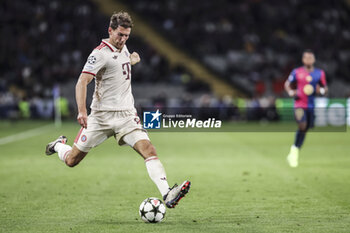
240,183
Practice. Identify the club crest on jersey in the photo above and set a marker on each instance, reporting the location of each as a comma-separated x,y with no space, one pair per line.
308,78
91,59
151,120
137,120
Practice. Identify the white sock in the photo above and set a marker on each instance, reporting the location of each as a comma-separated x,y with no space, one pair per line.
62,150
157,173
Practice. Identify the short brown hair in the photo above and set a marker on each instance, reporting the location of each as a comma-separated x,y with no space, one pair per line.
309,51
120,19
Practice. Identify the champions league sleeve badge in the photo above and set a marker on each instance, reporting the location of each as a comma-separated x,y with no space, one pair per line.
91,59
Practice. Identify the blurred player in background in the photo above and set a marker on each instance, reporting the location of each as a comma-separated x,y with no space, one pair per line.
303,84
112,109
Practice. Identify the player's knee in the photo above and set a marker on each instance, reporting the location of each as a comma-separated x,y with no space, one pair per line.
74,158
302,127
71,163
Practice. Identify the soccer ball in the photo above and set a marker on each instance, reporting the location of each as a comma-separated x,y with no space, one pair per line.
152,210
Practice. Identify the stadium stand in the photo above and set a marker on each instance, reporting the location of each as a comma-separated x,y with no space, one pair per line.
252,43
47,43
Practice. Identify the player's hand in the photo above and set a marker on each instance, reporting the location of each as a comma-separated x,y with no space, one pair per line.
320,90
134,58
82,119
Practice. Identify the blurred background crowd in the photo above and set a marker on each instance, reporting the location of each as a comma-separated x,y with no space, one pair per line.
251,45
254,44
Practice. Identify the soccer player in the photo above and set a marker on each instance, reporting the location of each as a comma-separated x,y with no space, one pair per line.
303,84
112,109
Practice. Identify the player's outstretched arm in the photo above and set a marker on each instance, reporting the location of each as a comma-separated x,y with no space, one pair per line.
80,97
322,88
134,58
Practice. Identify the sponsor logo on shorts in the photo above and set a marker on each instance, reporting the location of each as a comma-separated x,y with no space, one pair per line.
83,138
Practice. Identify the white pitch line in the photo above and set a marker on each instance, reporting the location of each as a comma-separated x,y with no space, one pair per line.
25,134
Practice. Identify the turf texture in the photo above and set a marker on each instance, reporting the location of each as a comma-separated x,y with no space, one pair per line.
240,183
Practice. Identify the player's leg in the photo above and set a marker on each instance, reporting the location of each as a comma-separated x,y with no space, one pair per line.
74,157
84,141
70,156
139,140
301,119
154,166
300,134
303,126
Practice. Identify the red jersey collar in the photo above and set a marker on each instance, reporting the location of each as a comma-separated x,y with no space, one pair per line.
109,45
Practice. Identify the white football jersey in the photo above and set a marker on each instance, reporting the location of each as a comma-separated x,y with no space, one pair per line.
112,71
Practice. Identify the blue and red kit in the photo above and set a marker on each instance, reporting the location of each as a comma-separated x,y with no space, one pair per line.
306,83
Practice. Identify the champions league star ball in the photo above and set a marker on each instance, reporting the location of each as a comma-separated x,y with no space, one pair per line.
152,210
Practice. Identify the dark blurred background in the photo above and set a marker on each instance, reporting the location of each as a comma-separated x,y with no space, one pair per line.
249,46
